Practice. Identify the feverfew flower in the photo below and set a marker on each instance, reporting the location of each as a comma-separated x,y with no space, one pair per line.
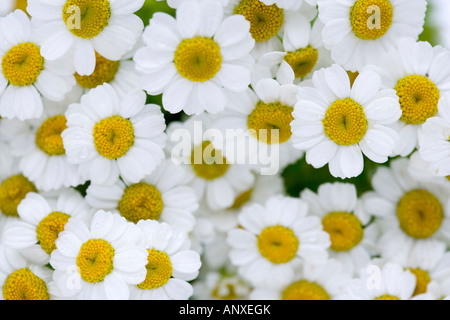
108,136
26,75
41,221
337,123
195,58
22,280
274,239
337,205
358,31
163,196
412,215
418,73
171,264
111,29
109,240
325,281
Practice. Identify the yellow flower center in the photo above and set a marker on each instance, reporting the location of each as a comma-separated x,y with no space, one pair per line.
198,59
422,280
86,18
345,122
12,191
278,244
23,64
265,21
141,201
105,71
113,137
302,61
304,290
386,297
207,162
23,284
95,260
271,123
418,97
242,199
159,270
345,230
49,228
48,136
371,19
420,213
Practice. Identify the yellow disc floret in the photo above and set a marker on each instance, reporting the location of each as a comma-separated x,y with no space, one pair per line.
271,123
352,76
86,18
371,19
141,201
95,260
159,270
302,61
345,230
208,163
105,71
278,244
420,213
265,21
418,97
198,59
48,136
113,137
49,228
304,290
23,284
422,280
12,191
23,64
386,297
345,122
22,5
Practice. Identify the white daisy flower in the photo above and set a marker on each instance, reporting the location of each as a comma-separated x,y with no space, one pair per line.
115,246
216,180
274,239
26,75
163,196
219,286
381,280
171,264
419,74
41,154
261,119
110,28
41,221
337,205
21,280
434,145
358,31
108,136
337,123
120,74
413,215
298,58
268,21
326,281
195,58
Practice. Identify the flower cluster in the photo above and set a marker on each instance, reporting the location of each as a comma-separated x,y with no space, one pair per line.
147,156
